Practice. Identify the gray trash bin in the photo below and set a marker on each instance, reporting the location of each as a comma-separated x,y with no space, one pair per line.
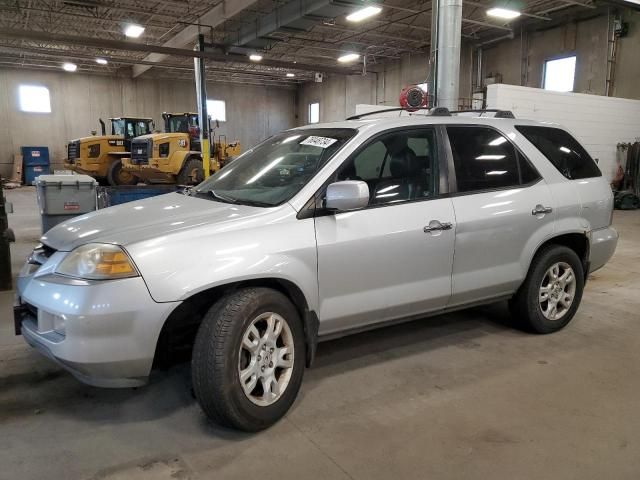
61,197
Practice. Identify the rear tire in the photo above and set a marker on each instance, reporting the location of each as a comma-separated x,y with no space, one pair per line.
191,172
118,176
249,359
550,295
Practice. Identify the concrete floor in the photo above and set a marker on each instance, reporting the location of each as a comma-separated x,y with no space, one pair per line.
462,396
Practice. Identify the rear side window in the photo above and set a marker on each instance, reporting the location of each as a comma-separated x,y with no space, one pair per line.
484,159
561,149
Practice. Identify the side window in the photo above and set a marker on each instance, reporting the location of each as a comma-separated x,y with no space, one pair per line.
485,159
130,130
564,151
397,167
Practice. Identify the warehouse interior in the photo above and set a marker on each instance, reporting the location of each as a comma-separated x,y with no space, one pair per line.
463,395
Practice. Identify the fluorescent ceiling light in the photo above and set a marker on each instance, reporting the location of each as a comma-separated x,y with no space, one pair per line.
490,157
364,13
69,67
254,57
101,61
133,31
565,150
348,57
291,75
497,172
503,13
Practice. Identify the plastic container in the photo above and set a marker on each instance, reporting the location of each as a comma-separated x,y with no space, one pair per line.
61,197
35,161
110,196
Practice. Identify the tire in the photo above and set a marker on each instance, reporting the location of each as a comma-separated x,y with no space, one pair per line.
191,172
220,355
529,307
118,176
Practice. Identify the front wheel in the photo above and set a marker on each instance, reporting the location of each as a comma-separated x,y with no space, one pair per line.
549,297
119,176
248,359
191,172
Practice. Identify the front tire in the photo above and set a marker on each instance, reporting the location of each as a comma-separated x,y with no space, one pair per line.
550,296
191,172
119,176
248,359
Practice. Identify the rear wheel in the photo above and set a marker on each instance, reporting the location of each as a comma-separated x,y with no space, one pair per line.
549,297
248,359
191,172
119,176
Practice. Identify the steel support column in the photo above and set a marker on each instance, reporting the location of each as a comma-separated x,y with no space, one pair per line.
201,97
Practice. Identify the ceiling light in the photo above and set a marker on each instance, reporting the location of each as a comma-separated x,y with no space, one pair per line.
503,13
101,61
291,75
490,157
133,31
348,57
254,57
364,13
69,67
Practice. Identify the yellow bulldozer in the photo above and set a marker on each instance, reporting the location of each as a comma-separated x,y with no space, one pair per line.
101,155
175,156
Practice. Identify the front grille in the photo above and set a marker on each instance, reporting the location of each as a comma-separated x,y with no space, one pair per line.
73,151
140,150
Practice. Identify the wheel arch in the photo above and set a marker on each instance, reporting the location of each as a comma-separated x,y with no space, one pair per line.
576,241
182,324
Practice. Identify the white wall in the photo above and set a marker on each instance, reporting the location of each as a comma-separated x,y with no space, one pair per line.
599,123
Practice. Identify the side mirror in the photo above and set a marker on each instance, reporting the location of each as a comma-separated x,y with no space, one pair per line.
347,195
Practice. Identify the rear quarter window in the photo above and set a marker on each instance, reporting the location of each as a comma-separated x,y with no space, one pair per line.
562,150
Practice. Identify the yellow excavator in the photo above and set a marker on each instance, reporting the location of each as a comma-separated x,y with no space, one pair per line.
175,156
101,155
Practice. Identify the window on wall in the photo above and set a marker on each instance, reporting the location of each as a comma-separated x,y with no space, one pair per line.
559,74
217,110
34,99
314,112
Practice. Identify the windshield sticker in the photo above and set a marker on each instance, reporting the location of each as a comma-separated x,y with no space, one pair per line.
322,142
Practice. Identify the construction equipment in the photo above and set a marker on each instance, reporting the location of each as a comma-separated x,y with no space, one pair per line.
100,156
175,156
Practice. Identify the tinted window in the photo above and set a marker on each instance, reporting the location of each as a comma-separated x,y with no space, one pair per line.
564,151
485,159
397,166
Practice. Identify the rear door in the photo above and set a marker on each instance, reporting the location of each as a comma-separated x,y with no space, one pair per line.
503,209
379,263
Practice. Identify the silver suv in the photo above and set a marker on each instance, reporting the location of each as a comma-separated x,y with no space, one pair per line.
319,232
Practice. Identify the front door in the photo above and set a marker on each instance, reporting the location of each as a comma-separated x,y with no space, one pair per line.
392,259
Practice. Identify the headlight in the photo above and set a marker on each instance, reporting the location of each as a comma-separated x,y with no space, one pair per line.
97,261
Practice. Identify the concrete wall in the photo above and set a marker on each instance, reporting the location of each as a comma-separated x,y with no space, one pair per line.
77,101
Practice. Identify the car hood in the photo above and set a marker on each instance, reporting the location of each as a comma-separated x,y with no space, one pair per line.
150,218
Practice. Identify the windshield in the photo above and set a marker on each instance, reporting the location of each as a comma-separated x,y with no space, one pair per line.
181,123
275,170
117,127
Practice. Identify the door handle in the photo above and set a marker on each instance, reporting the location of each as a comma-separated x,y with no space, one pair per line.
436,226
541,210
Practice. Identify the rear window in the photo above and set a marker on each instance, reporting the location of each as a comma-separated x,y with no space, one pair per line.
562,150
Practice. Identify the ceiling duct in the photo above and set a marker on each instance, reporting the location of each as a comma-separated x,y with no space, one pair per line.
290,17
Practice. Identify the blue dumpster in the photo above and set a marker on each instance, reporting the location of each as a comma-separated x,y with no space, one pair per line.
35,162
110,196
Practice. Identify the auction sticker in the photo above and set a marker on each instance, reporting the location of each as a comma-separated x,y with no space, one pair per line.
322,142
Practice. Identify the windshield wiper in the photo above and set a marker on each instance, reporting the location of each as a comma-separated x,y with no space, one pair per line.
216,196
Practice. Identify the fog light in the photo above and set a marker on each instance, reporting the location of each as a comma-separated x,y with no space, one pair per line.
59,324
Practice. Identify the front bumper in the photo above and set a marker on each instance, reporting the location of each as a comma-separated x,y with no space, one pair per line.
104,333
602,247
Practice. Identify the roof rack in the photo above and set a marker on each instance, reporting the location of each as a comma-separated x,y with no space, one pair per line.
438,112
